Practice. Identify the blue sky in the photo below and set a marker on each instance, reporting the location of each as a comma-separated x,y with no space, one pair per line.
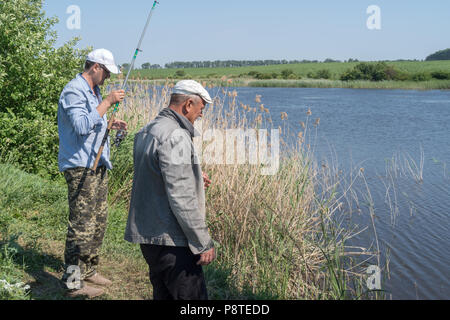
253,30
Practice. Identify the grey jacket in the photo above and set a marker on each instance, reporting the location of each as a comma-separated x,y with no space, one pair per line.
168,198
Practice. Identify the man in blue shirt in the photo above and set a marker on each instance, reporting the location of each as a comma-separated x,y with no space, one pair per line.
82,124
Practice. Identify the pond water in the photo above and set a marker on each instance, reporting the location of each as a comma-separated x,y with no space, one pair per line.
402,140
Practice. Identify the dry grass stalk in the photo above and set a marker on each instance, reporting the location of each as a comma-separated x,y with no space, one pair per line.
276,233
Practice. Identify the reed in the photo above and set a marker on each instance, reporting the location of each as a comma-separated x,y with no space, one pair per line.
279,236
359,84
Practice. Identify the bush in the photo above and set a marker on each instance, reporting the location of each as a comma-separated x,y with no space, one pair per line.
370,71
180,74
324,74
253,73
266,76
352,75
32,76
421,76
320,74
373,72
30,144
286,73
441,75
394,74
263,76
381,71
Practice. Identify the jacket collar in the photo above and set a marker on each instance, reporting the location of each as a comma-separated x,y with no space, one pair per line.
182,120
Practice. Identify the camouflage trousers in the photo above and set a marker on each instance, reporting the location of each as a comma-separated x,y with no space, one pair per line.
87,193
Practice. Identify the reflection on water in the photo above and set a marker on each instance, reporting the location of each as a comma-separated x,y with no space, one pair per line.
401,139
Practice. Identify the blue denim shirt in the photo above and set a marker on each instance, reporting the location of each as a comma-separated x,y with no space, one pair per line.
80,127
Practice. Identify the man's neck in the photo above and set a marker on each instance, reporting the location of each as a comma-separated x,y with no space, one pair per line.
89,80
177,109
186,123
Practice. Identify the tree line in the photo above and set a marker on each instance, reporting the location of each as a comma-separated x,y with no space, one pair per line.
440,55
245,63
236,63
227,63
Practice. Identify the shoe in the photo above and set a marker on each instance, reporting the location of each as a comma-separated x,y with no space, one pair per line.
91,292
98,280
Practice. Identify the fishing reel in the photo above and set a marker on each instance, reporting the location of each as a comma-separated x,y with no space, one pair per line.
120,136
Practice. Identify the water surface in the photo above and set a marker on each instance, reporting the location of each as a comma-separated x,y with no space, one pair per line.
401,139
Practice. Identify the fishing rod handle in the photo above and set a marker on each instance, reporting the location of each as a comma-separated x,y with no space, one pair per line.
102,146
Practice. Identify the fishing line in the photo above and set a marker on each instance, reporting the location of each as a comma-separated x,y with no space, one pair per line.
121,134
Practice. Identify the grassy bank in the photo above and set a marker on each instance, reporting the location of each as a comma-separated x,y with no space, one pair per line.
279,236
302,75
313,83
33,224
360,84
266,252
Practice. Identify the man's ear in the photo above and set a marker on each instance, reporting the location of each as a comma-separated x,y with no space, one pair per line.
97,66
188,106
93,68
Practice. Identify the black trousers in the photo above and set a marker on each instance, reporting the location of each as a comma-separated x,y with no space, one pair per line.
174,273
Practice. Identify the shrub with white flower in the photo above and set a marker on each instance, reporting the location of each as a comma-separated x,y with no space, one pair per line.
18,289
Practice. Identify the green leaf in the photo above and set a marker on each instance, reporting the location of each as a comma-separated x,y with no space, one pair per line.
33,73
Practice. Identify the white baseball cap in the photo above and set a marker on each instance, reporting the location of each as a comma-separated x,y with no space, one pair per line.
104,57
192,87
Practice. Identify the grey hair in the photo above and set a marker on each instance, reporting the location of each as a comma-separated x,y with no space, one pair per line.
177,99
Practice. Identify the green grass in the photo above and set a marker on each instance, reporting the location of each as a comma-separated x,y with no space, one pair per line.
33,224
32,213
11,274
277,236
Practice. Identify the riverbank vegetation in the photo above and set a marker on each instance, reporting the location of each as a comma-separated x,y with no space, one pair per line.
439,55
384,75
279,236
32,75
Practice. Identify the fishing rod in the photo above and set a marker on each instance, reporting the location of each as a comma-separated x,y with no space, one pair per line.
121,134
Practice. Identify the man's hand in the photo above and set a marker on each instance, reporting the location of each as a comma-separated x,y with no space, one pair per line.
119,125
207,257
206,180
115,97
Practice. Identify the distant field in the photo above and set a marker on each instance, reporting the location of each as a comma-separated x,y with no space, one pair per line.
301,69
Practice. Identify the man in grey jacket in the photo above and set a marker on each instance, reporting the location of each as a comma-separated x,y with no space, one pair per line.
167,209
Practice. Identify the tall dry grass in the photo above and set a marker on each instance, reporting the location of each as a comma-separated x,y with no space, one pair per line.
280,236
